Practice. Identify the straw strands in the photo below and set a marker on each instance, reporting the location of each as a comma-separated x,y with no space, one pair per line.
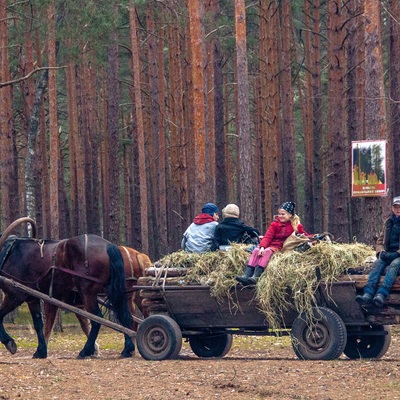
217,269
290,279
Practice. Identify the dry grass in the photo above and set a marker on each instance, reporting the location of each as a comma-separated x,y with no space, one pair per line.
290,279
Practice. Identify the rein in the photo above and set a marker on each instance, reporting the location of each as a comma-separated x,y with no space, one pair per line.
72,272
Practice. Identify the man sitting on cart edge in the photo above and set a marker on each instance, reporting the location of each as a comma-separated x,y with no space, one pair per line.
199,236
388,255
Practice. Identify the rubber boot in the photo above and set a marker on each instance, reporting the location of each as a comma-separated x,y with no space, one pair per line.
257,273
248,272
365,299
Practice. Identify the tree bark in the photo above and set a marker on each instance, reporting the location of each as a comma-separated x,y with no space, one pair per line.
243,123
53,127
196,15
394,96
338,145
289,189
140,128
112,217
374,110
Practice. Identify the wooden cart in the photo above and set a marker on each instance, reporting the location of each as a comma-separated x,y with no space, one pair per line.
186,311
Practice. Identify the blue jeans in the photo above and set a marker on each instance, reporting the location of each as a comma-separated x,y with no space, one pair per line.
377,270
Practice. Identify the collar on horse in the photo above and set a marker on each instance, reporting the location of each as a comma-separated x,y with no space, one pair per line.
6,249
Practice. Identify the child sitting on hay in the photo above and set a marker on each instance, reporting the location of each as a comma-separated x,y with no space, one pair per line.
285,223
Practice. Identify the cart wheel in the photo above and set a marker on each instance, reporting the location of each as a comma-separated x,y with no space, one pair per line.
368,345
211,345
159,338
323,339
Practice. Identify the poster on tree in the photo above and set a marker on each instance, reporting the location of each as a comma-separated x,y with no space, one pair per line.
368,161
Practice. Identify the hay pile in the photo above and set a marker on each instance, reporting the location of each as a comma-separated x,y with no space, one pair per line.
291,280
217,269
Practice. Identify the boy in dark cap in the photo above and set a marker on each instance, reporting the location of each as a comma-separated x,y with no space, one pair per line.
199,237
285,223
388,255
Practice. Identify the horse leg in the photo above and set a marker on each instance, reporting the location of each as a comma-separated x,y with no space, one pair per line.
34,308
129,344
90,346
50,313
8,304
85,326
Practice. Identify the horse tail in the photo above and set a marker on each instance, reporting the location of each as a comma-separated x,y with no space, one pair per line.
117,293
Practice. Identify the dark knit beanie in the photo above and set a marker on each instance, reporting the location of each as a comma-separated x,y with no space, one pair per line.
209,208
288,206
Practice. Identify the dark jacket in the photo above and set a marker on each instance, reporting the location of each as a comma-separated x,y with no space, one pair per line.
383,241
277,233
233,230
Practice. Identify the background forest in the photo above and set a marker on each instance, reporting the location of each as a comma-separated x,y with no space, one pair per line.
123,118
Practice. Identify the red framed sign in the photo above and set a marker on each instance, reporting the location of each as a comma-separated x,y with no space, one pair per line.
368,162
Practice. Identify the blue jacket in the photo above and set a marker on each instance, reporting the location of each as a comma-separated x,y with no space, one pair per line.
199,237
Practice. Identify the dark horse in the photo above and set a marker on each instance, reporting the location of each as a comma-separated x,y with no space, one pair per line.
135,264
81,266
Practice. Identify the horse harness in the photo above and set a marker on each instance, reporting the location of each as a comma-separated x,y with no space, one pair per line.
132,277
70,271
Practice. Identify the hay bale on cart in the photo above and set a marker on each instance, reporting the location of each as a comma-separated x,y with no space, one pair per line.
310,293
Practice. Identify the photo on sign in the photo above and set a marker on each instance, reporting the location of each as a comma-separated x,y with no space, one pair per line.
368,168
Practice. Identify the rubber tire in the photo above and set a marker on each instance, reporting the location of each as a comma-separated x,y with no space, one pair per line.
159,338
331,331
211,345
362,346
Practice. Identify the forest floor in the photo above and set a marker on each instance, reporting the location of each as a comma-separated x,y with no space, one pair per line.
255,368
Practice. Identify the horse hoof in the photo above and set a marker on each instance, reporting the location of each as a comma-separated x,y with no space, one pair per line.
11,346
127,354
38,355
83,354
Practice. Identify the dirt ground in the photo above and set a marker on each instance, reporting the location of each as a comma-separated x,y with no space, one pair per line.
255,368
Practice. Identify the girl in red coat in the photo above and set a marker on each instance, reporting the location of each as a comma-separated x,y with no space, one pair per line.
285,223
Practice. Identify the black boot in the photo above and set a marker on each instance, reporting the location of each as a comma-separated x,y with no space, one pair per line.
365,299
248,272
257,273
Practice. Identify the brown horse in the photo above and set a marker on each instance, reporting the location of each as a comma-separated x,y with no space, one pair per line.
135,263
85,265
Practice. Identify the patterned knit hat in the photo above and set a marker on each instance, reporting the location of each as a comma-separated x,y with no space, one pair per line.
231,210
288,206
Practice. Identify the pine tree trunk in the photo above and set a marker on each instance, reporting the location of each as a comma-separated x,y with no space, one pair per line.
374,110
394,90
53,128
289,189
243,123
355,97
338,153
196,15
140,128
